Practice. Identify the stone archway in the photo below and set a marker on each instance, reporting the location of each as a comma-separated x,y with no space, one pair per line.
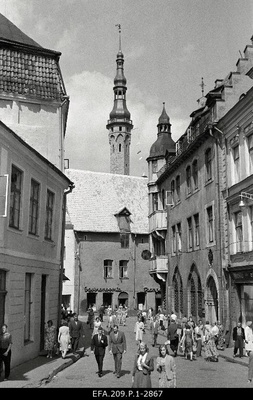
212,299
195,294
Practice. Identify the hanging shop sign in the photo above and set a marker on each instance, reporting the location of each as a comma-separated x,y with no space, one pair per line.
95,290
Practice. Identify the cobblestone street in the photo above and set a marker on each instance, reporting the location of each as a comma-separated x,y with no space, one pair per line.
195,374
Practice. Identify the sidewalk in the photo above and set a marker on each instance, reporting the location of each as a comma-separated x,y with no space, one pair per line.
34,373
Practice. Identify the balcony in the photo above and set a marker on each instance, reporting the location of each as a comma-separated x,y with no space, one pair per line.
158,265
158,220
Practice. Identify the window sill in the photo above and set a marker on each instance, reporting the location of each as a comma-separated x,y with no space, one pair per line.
27,342
209,182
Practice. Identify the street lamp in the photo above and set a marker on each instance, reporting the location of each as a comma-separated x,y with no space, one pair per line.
246,196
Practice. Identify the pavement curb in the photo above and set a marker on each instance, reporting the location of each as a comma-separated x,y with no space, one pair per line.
54,372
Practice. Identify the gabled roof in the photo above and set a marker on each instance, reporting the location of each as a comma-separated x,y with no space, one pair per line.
10,32
97,197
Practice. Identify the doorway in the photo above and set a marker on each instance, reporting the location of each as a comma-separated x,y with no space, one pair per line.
42,310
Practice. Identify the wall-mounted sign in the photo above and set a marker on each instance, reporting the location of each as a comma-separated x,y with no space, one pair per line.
95,290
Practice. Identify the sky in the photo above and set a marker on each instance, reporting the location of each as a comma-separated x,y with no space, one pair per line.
168,46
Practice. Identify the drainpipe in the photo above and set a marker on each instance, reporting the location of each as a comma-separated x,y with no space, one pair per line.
71,187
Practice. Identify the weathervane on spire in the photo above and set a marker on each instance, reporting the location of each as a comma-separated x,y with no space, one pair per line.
202,86
119,27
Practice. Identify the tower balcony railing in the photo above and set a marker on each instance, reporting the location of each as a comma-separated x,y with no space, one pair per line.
119,120
158,265
158,220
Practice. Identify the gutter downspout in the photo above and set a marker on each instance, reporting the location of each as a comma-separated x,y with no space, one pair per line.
71,187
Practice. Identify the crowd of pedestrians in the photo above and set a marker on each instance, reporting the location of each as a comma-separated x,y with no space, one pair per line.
181,336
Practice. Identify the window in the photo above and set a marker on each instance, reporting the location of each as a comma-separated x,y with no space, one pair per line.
155,201
154,166
120,147
179,238
251,227
28,306
208,162
3,293
195,174
34,207
172,186
49,215
190,236
163,199
15,197
174,247
236,163
238,231
124,240
188,179
123,269
210,224
178,188
107,269
196,230
250,147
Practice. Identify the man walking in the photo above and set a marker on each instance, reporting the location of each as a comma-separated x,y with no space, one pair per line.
98,346
76,332
117,347
238,337
172,336
155,329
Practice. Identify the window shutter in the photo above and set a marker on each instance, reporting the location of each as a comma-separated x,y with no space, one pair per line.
3,195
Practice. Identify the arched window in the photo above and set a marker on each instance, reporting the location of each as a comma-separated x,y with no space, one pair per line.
208,163
188,179
195,174
178,293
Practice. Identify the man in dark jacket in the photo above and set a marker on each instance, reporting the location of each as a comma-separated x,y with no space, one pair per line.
117,347
238,337
172,336
98,346
76,332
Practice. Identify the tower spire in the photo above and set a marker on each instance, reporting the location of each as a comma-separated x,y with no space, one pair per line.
119,124
119,27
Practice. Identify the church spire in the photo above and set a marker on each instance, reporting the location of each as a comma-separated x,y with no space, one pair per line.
119,123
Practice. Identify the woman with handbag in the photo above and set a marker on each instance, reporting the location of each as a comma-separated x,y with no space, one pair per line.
166,367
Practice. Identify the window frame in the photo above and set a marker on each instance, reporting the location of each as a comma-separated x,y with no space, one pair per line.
49,215
16,199
33,223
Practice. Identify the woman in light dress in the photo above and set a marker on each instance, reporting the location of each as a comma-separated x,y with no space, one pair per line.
166,367
97,324
64,338
248,337
138,330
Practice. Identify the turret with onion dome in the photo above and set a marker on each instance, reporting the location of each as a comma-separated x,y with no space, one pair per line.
120,125
164,142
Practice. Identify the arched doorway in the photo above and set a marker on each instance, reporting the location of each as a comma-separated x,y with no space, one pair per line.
123,299
177,300
212,301
195,295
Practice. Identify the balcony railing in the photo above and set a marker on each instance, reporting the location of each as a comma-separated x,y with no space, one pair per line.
158,220
159,265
